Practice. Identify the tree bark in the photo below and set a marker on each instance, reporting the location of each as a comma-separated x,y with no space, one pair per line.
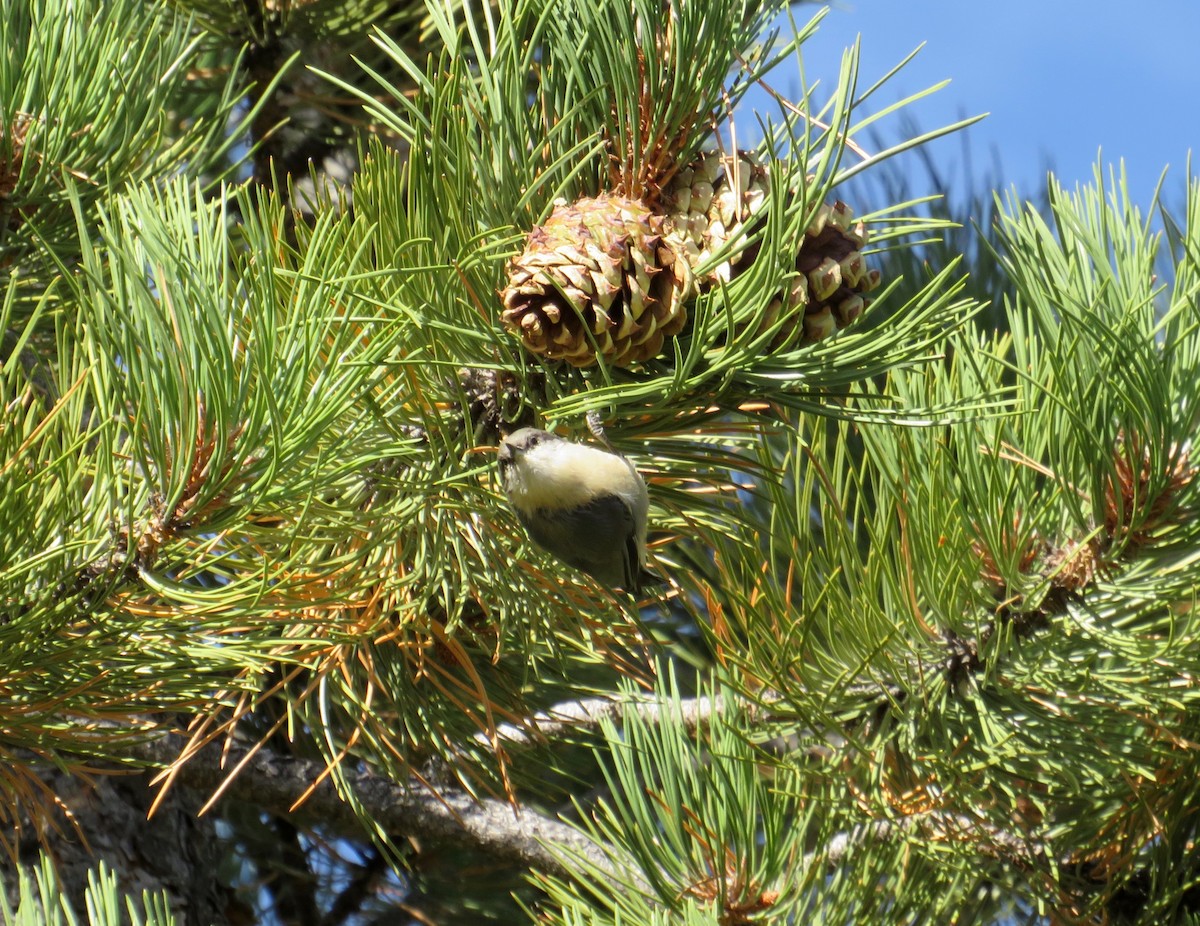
105,818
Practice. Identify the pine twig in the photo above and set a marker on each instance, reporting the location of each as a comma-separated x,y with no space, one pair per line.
586,714
994,842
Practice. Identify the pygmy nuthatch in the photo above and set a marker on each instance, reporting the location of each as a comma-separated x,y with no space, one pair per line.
584,505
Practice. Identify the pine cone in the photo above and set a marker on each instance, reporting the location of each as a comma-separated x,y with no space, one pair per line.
833,278
706,203
596,280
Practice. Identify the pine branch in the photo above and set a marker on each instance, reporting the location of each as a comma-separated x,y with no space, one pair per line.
938,826
275,783
586,714
350,900
292,886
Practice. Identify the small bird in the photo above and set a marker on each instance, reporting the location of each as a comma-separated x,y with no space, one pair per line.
584,505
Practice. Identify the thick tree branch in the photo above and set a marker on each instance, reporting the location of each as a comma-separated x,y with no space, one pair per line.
275,783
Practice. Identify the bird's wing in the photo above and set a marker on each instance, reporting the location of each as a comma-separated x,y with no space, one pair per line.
598,538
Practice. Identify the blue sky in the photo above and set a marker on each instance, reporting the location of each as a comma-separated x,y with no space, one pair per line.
1061,79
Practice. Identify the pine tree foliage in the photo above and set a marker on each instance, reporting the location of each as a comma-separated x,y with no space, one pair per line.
985,683
39,902
62,119
939,580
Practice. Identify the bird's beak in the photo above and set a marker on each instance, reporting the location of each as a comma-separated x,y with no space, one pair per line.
507,452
